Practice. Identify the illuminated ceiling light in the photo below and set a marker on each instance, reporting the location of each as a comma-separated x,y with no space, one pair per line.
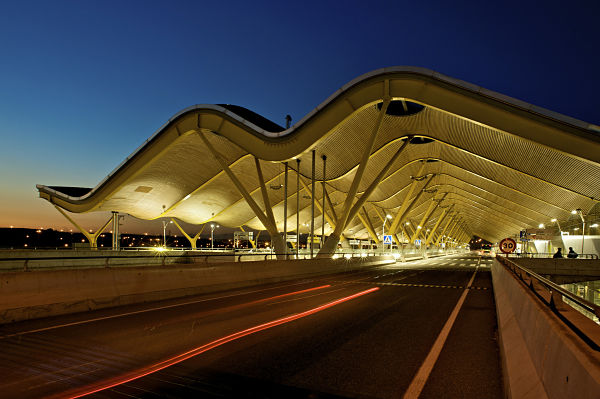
407,223
594,225
541,225
553,220
419,227
186,197
388,216
573,212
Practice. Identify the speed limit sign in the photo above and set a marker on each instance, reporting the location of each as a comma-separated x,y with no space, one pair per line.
508,245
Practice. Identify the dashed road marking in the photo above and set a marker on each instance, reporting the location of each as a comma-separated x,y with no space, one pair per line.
460,287
420,379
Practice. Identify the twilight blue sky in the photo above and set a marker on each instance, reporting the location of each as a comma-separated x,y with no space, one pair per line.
84,83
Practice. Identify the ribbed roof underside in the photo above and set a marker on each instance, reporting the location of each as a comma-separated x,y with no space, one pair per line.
498,166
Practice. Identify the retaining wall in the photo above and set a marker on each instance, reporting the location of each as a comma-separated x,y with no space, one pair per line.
541,356
42,293
563,271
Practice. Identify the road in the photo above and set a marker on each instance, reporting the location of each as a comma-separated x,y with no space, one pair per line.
419,329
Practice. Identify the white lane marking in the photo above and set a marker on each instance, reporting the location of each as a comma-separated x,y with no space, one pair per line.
418,383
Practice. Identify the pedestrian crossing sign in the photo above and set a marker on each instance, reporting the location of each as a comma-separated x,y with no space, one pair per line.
387,239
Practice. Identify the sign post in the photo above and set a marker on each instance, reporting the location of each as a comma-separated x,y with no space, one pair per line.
387,239
508,246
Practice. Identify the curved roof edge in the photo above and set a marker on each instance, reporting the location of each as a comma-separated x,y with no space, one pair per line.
416,83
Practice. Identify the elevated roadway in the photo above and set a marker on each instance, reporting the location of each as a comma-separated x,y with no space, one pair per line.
421,329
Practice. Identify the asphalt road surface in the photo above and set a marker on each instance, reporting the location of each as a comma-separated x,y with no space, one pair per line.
419,329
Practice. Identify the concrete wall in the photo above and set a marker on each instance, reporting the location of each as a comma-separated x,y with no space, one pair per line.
562,271
541,356
54,259
41,293
591,244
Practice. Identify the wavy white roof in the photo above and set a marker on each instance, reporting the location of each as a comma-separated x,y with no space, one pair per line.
504,164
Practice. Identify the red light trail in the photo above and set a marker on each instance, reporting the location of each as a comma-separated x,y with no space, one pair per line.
88,390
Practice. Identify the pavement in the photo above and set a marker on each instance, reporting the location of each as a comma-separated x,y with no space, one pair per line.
418,329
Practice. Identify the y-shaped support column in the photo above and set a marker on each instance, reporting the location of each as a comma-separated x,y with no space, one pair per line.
351,210
192,240
91,237
266,218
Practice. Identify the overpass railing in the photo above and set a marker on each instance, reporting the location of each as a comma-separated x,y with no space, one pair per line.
547,255
555,298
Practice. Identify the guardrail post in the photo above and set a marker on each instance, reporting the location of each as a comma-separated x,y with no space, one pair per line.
556,300
25,264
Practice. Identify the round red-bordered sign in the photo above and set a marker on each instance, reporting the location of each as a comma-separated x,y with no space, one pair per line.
508,246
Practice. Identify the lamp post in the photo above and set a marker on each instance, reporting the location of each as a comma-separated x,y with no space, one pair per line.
580,212
212,230
558,224
165,232
383,231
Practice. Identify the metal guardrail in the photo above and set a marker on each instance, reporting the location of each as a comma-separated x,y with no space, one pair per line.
551,294
550,255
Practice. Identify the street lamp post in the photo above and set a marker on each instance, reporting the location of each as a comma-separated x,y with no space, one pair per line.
580,212
165,232
558,224
212,230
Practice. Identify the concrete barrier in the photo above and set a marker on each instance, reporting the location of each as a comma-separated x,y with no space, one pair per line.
541,356
563,271
42,293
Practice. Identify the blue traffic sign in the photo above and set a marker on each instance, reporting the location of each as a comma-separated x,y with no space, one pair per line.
387,239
